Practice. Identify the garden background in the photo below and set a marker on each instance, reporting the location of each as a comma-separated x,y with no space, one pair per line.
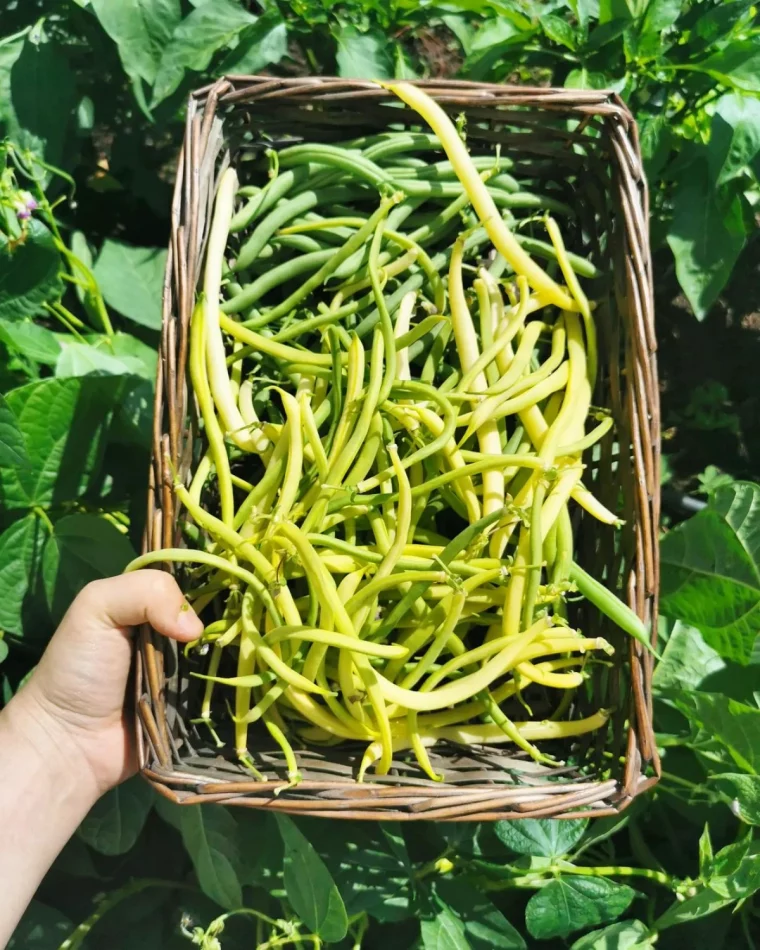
91,106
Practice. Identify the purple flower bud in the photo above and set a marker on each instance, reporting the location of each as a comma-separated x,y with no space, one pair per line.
29,200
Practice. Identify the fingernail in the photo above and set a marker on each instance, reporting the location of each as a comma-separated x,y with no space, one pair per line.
188,621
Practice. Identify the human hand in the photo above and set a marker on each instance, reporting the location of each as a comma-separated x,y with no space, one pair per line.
73,705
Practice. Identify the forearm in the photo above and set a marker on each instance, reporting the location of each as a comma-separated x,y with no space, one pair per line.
44,794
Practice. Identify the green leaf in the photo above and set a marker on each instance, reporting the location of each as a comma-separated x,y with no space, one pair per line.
12,445
745,791
311,890
485,927
734,136
210,838
363,55
10,50
30,274
65,425
116,820
706,236
558,30
31,340
585,79
44,97
261,843
371,867
81,549
687,659
736,66
626,935
656,138
4,651
120,355
82,359
41,928
208,28
737,870
541,837
717,23
733,724
22,608
141,30
138,356
445,931
574,903
661,15
131,280
264,43
711,570
681,912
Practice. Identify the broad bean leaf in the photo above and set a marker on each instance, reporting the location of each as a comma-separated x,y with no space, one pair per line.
10,50
12,445
656,138
41,928
208,28
559,30
711,571
82,548
574,903
718,23
211,840
443,931
310,887
371,868
139,358
736,870
541,837
4,650
75,860
626,935
43,95
485,927
587,79
661,15
84,359
30,274
736,65
31,340
65,425
261,45
121,355
131,280
116,820
141,30
734,136
261,843
363,55
734,725
706,235
687,659
22,606
745,791
705,902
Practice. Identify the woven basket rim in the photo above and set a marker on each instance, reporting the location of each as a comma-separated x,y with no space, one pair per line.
160,732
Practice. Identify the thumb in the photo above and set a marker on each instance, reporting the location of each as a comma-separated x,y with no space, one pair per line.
147,596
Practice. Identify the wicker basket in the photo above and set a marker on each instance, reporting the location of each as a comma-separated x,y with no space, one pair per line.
587,141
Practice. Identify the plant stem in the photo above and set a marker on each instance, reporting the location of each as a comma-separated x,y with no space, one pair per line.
76,938
536,878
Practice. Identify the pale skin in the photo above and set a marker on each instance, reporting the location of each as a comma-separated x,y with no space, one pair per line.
65,738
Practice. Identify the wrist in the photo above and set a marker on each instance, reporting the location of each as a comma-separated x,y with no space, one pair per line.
51,750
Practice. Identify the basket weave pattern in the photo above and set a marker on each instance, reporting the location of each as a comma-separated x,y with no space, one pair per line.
585,140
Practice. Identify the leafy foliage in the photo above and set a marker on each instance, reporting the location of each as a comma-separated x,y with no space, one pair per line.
91,107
